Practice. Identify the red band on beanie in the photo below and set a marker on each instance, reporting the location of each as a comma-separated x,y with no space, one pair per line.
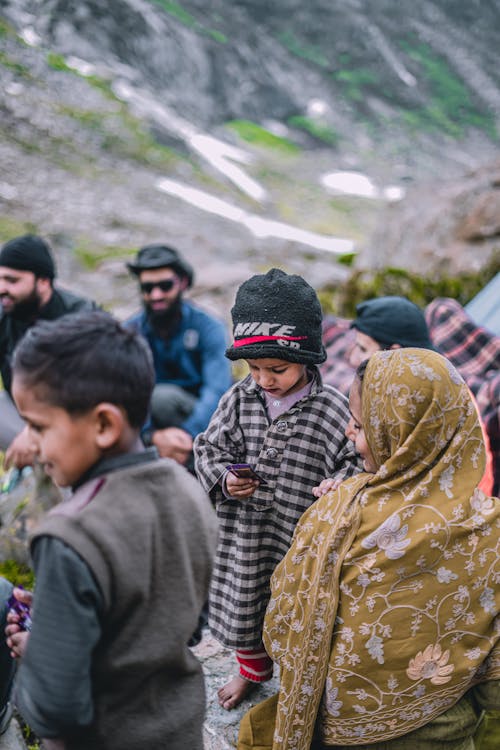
259,339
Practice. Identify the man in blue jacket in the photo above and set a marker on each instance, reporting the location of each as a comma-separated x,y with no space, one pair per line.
188,348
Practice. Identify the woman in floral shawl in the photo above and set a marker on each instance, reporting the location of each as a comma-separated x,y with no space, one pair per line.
384,614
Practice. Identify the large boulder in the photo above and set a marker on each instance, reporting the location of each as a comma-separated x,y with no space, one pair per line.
21,509
447,228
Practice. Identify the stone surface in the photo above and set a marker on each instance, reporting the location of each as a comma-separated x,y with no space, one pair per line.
219,665
221,727
20,511
12,739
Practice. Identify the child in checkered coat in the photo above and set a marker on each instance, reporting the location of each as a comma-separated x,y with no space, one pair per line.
290,427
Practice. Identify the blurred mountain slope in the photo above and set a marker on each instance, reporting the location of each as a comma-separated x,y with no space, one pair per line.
101,101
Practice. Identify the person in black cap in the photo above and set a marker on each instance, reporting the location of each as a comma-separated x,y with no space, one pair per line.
27,294
387,323
188,351
394,322
290,427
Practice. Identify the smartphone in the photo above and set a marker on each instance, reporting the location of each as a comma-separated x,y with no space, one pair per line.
245,470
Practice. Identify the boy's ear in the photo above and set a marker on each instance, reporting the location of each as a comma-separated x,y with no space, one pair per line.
110,423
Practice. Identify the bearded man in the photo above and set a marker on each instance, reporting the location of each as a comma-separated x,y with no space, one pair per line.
188,348
27,294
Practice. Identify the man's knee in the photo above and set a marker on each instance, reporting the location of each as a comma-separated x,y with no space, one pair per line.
170,405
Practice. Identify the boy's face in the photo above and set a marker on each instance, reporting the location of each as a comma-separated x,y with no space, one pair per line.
278,377
65,444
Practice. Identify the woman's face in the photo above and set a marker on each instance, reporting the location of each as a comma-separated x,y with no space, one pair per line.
363,348
355,431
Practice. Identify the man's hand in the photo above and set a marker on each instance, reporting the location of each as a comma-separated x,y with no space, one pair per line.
173,442
21,452
17,638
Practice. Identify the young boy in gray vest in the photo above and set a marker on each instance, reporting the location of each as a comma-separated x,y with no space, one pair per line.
122,567
290,427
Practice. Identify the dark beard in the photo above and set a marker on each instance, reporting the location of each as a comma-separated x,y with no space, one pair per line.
27,309
163,322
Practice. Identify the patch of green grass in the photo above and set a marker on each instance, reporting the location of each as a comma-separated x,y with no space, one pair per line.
17,574
6,29
259,136
305,51
347,259
355,81
88,118
363,285
218,36
91,258
183,16
14,66
177,11
450,109
319,131
57,62
133,143
10,227
21,506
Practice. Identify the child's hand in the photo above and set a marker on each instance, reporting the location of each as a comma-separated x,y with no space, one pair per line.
16,636
325,486
21,452
240,486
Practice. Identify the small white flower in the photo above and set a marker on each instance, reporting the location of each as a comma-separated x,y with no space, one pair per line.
333,706
444,575
363,579
482,505
473,654
446,481
487,600
375,647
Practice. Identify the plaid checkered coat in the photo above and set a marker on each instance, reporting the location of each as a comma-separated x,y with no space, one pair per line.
293,453
475,352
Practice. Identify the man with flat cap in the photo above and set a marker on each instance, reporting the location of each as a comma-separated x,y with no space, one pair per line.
27,294
188,348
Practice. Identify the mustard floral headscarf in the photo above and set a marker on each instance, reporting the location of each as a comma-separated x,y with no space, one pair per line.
384,612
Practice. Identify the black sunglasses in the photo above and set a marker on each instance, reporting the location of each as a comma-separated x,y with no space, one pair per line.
165,285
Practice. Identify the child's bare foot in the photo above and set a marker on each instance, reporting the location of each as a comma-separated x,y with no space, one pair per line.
234,692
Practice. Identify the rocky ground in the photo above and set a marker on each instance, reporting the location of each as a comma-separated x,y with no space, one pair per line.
221,727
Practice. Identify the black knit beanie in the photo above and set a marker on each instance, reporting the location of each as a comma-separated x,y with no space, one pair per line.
277,315
393,320
28,253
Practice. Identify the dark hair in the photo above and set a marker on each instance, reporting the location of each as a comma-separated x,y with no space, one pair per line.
361,369
85,358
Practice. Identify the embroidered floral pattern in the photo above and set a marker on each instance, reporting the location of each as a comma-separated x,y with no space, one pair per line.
389,537
431,664
386,608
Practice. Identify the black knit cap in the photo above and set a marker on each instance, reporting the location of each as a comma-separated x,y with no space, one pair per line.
393,320
277,315
28,253
161,256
